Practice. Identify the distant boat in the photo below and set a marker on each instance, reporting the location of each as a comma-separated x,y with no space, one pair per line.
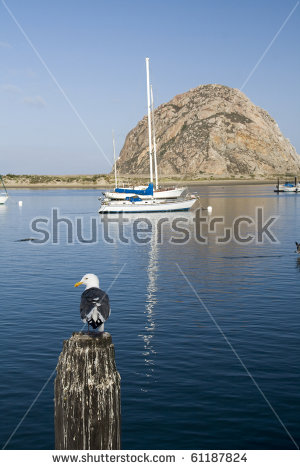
287,187
3,196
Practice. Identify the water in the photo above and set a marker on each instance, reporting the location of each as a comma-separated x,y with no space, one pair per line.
183,387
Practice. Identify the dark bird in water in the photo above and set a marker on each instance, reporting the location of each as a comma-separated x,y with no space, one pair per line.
94,305
297,248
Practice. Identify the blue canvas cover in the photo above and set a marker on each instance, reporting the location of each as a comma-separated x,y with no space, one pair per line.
142,192
133,199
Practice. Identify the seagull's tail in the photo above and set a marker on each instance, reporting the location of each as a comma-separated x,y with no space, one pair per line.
95,324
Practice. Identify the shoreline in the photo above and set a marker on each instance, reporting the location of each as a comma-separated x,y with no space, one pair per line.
106,185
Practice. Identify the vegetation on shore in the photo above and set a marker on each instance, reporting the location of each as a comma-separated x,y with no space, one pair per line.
107,180
23,180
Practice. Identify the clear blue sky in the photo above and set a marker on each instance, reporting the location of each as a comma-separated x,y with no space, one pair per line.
96,50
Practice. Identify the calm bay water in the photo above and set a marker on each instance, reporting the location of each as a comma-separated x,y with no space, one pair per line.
183,387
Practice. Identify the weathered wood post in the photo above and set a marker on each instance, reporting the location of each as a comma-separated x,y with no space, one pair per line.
87,394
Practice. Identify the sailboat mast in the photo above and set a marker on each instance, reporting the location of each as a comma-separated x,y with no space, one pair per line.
149,119
115,163
154,140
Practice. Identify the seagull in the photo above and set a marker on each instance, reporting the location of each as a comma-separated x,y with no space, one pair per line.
94,305
298,248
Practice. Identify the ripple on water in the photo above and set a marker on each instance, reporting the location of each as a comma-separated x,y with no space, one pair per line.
182,384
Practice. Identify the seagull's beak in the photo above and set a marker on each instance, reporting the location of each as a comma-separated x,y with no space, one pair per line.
78,284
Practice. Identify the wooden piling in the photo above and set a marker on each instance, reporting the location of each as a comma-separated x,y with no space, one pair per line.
87,394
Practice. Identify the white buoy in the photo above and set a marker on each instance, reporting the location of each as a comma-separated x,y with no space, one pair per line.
209,209
20,203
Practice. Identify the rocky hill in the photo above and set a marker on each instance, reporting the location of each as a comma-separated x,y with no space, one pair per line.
211,130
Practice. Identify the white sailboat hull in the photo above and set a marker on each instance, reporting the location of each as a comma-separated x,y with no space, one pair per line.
114,207
3,198
288,189
159,194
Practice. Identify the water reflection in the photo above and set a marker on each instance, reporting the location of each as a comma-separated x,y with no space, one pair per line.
151,301
3,208
251,290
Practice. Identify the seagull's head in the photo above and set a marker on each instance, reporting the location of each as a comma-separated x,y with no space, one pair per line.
89,280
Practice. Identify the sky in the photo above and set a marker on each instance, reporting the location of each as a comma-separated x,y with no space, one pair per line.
73,70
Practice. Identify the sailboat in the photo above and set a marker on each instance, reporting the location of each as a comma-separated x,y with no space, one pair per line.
161,193
145,199
3,196
136,205
158,193
287,187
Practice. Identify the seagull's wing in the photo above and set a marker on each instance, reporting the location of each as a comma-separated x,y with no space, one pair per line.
94,306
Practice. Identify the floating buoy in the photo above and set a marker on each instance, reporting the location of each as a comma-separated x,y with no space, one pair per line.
20,203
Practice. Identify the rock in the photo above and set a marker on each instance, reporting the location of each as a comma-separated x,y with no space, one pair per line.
210,130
